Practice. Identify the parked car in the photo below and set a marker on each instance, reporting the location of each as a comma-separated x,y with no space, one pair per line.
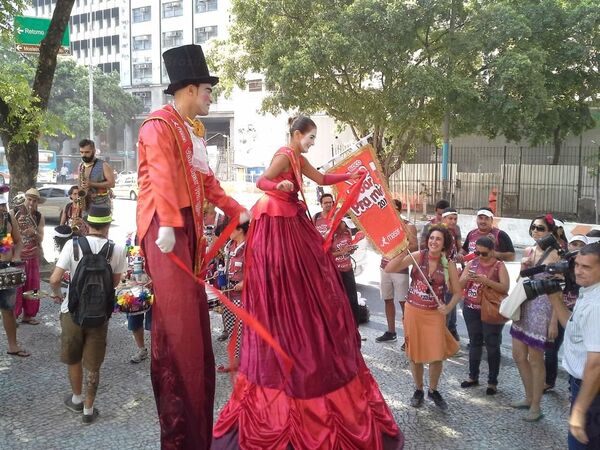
126,186
57,197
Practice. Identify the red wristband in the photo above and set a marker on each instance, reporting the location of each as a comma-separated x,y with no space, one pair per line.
333,178
265,184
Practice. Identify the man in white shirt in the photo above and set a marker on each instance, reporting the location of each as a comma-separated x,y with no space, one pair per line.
582,350
85,346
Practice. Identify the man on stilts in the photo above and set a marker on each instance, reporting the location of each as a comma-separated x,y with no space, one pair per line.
174,179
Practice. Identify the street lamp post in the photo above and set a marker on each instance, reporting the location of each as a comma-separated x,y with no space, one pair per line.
91,73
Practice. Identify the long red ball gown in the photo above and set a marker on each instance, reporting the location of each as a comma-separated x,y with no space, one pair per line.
330,399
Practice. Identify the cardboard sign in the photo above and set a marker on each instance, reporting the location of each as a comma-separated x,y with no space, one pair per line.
374,211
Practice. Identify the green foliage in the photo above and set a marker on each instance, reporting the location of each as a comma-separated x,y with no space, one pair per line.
8,10
522,68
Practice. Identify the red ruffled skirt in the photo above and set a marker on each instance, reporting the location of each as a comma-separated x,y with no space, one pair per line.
329,400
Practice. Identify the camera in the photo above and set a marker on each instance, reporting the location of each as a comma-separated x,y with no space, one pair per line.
563,268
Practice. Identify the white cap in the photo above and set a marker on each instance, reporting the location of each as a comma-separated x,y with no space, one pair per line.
582,238
559,223
485,212
348,222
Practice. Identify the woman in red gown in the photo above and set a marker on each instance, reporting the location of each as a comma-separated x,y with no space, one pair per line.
329,400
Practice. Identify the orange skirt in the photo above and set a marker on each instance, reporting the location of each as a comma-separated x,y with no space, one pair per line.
426,336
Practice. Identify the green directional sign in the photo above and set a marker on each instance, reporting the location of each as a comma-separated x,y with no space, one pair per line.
30,31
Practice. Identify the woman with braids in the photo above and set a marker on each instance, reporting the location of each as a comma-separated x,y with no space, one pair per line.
532,333
428,341
329,399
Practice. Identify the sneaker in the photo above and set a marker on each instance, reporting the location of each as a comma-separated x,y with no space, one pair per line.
437,399
76,408
90,418
141,355
417,399
386,337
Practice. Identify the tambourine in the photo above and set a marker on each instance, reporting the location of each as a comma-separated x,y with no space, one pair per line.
134,299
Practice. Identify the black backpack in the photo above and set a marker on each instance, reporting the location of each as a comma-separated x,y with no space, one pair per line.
91,292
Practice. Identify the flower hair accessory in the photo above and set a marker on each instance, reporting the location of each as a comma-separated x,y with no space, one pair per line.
549,219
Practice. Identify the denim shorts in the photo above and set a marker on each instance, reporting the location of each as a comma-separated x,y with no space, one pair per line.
135,322
8,298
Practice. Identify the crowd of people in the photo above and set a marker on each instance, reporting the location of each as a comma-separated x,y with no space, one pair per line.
300,377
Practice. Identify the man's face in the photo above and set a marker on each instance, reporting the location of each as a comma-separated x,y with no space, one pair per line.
203,99
450,221
484,223
326,204
587,270
31,202
87,153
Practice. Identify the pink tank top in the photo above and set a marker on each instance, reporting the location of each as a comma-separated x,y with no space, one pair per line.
419,294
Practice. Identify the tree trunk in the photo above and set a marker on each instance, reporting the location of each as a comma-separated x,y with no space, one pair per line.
22,158
557,141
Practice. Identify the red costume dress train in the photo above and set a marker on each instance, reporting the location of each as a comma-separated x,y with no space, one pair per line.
330,399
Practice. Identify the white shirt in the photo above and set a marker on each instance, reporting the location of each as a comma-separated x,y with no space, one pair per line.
582,333
66,260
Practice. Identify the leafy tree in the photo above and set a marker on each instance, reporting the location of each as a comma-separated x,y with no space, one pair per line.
398,68
22,108
69,101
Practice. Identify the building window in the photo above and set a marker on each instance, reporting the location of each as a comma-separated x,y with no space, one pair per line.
143,42
206,5
146,99
142,73
255,85
172,9
203,34
141,14
172,39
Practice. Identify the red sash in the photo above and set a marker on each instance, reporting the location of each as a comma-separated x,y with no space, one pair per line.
193,178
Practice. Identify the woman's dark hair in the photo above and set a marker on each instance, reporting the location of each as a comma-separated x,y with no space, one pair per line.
86,142
324,196
486,242
548,220
300,123
73,189
591,249
442,204
445,232
243,227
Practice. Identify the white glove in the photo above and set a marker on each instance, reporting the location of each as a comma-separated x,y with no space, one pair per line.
245,217
166,239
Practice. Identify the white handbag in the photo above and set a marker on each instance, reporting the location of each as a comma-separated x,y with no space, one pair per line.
511,305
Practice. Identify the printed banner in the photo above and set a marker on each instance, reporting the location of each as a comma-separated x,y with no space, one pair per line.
374,211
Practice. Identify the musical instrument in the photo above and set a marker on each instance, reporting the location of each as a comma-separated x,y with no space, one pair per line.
76,220
36,294
211,297
12,277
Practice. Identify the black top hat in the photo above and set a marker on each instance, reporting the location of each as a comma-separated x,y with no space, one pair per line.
186,65
99,214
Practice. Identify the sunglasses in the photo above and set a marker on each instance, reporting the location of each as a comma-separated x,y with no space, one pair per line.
484,254
539,228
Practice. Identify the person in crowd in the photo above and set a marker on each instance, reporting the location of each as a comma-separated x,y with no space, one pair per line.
581,355
342,249
64,173
174,179
11,253
96,177
484,270
322,219
450,219
440,206
137,323
234,266
531,332
214,222
570,295
561,235
394,286
31,227
503,248
428,340
72,214
85,347
593,236
293,289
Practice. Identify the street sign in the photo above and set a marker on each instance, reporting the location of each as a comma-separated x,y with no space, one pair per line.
31,31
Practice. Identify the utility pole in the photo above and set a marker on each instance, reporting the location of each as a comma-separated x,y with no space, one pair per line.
91,72
446,124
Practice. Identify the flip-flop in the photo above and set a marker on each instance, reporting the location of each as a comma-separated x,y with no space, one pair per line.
31,322
20,353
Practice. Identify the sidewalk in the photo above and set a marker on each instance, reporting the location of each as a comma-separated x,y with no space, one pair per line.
32,415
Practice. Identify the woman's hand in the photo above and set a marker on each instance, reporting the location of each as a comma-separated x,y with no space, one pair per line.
359,173
477,278
443,309
285,186
238,287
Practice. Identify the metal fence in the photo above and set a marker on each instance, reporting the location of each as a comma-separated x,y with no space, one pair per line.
521,179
